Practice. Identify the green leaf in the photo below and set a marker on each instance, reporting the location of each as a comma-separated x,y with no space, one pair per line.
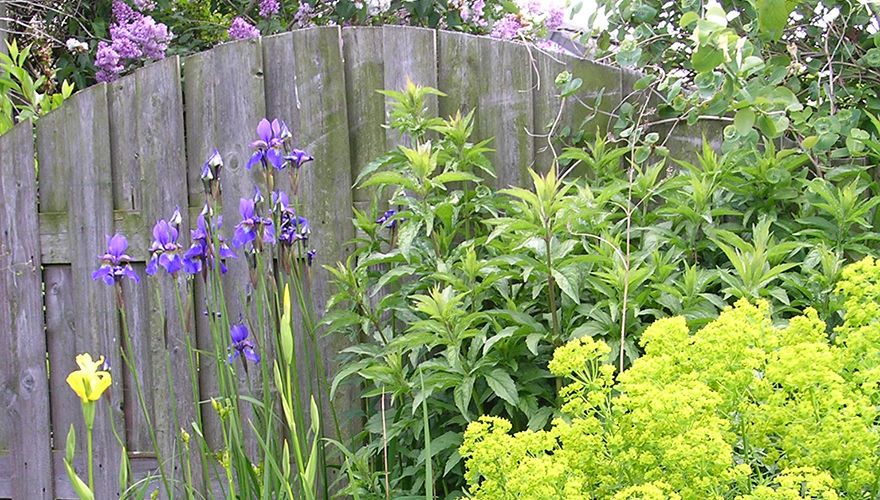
70,449
809,142
706,58
503,386
773,17
408,233
688,18
462,395
744,121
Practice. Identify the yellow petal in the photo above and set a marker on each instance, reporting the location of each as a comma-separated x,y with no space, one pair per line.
77,382
87,365
100,383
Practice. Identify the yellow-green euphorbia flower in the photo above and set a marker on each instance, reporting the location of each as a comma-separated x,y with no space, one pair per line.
88,382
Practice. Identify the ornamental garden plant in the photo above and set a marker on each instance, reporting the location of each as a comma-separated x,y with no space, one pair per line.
627,324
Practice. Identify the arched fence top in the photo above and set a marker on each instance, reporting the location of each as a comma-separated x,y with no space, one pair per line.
118,156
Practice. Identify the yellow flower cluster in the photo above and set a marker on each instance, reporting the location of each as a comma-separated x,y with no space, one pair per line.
739,409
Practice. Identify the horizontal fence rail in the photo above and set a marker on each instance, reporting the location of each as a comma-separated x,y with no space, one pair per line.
116,157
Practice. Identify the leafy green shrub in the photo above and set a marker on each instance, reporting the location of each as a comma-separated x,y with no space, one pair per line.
20,95
738,409
457,294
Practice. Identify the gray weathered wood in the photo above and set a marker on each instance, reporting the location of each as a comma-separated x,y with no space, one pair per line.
24,388
412,56
148,152
320,85
364,76
85,150
588,109
495,77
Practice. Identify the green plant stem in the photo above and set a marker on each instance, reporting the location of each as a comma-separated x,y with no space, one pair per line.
90,458
132,368
182,314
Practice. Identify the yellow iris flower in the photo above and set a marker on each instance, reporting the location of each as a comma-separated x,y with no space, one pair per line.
88,382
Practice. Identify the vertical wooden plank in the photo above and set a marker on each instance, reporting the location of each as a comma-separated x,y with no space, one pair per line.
75,138
495,77
589,108
320,83
224,100
24,395
364,76
412,53
148,154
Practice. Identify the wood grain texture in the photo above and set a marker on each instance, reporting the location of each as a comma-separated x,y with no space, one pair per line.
148,147
364,77
24,386
85,149
495,77
326,182
412,53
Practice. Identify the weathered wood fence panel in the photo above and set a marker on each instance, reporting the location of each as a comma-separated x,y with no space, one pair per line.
495,78
73,146
24,387
119,157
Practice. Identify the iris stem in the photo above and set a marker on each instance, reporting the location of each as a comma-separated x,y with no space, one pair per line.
90,458
194,382
132,368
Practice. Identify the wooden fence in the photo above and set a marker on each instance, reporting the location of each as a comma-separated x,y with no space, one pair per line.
117,157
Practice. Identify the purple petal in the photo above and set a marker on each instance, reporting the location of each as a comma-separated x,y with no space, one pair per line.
264,130
175,263
274,158
251,355
227,253
117,244
269,233
191,266
255,158
238,332
128,272
232,356
246,208
101,272
152,266
243,235
276,127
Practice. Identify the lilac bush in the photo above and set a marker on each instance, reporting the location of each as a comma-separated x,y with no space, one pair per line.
240,29
133,37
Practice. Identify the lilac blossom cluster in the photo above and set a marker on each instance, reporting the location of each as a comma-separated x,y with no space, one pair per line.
269,8
133,36
240,29
508,27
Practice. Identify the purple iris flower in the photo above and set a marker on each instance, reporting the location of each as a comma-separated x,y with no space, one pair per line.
211,168
310,256
252,225
298,157
164,250
268,145
202,249
292,228
241,345
388,219
115,264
